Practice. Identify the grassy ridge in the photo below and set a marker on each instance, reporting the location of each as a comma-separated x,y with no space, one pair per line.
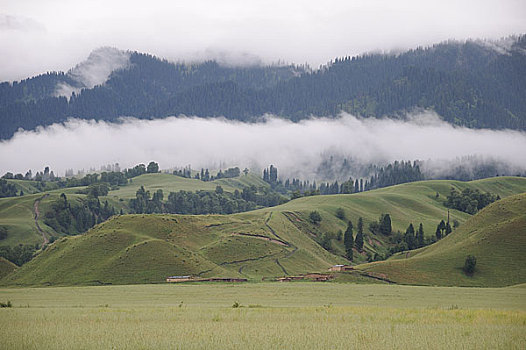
17,213
496,236
171,183
148,248
267,242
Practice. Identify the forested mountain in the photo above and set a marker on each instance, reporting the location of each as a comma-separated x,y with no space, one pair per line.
476,84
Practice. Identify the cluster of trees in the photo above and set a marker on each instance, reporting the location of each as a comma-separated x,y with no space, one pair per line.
45,175
7,189
110,179
204,202
270,175
19,254
469,201
78,216
394,173
444,229
350,242
204,174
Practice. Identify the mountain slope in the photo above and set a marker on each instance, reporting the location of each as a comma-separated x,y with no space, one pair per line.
496,236
469,84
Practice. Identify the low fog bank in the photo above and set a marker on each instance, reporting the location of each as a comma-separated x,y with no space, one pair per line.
297,149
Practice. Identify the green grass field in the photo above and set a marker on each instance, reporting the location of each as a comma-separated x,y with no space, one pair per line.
496,236
271,315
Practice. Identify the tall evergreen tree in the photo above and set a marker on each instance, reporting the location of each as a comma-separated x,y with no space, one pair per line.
438,233
448,228
409,236
359,235
348,241
420,236
385,224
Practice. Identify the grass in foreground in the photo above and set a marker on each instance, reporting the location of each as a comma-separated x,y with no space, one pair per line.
270,316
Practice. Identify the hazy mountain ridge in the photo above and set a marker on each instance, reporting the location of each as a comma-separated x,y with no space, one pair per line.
476,84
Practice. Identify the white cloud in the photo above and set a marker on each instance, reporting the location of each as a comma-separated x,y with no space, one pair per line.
295,148
95,70
296,31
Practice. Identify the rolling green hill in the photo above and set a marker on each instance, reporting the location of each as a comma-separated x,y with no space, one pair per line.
6,267
266,242
170,183
496,236
17,213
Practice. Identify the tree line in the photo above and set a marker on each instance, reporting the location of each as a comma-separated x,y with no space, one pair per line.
204,202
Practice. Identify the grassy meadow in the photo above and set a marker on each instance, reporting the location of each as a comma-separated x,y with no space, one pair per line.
296,315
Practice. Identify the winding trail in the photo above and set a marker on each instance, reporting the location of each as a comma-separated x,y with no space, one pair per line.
37,214
288,244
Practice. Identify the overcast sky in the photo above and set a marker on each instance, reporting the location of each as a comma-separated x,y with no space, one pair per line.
38,36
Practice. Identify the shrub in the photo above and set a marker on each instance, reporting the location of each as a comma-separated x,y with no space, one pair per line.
469,264
315,217
340,213
8,304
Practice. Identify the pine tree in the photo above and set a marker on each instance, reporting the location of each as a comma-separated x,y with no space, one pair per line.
359,236
420,236
385,224
409,236
438,233
348,241
448,228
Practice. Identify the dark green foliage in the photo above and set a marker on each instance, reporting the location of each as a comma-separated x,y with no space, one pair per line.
469,201
469,264
152,168
463,82
326,241
420,236
448,228
348,241
19,254
385,224
203,202
438,233
135,171
409,237
77,217
340,213
315,217
358,242
3,232
7,189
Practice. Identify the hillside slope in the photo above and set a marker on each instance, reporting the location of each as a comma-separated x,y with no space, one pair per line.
6,267
267,242
148,248
496,236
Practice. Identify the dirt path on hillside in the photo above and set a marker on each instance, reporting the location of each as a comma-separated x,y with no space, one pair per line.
37,214
294,248
265,238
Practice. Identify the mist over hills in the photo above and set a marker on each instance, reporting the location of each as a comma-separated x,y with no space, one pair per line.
478,84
